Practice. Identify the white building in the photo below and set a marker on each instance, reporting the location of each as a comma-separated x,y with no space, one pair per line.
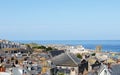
8,44
77,49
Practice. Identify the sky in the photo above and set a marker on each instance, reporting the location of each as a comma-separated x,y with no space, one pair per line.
60,19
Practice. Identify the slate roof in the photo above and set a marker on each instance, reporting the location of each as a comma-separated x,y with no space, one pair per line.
66,59
56,52
115,70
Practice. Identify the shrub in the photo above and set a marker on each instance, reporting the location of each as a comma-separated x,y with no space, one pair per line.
79,56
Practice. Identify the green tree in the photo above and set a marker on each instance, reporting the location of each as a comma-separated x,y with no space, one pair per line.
39,47
93,54
49,49
42,47
79,56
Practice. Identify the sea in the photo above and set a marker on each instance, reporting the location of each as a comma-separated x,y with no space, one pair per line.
107,45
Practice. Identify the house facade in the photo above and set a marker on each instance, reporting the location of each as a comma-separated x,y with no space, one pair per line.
9,47
8,44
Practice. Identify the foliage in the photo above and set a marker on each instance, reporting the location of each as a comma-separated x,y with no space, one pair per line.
93,54
43,47
79,56
49,49
60,73
39,47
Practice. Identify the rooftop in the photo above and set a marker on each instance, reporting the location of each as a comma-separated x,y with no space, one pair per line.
115,70
56,52
66,59
10,49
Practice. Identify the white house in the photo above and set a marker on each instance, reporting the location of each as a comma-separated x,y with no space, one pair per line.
8,44
77,49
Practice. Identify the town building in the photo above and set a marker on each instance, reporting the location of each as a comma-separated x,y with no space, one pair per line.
65,63
8,44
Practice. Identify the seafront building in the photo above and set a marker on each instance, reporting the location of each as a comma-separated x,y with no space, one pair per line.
69,48
8,44
77,49
9,47
98,49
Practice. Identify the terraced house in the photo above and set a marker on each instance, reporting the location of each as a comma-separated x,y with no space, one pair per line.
8,44
12,47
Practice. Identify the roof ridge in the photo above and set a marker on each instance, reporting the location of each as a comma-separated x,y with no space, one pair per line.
71,58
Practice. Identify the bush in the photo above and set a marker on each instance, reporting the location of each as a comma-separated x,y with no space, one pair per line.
49,49
39,47
79,56
93,54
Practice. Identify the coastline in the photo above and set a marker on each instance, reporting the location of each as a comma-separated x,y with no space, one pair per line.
107,45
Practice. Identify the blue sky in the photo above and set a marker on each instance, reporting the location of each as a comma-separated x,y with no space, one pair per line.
60,19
